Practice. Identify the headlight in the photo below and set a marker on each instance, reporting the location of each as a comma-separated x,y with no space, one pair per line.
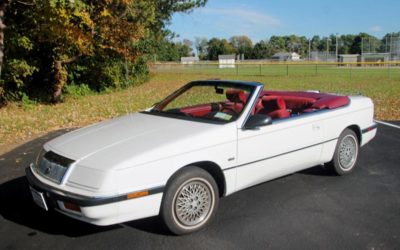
39,157
52,166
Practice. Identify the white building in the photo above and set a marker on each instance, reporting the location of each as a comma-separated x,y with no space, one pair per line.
286,56
226,61
189,60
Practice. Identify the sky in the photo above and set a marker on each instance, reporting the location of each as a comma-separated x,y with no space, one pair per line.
262,19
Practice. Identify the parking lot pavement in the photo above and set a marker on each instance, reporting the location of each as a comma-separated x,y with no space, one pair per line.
309,209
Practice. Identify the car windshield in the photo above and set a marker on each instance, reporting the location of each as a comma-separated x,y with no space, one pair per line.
219,102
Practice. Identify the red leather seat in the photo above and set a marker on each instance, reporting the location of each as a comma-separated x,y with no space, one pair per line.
236,96
274,106
237,100
257,107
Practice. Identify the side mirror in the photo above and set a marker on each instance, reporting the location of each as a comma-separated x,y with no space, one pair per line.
258,120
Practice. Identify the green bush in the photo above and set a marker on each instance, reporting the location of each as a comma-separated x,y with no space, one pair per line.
77,90
17,73
85,76
26,102
100,74
121,74
140,72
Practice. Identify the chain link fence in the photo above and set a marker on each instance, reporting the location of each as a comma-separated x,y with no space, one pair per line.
378,69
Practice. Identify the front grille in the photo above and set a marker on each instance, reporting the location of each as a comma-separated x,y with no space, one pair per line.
53,166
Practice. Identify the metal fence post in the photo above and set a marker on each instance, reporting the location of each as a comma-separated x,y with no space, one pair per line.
287,69
316,69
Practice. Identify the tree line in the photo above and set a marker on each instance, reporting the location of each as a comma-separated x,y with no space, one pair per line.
210,49
96,44
49,47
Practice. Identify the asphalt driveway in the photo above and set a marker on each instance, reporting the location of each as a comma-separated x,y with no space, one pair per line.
310,209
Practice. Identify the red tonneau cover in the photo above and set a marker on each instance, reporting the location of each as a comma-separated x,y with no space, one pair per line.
297,99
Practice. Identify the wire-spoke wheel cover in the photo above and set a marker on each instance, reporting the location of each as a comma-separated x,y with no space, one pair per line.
193,203
348,151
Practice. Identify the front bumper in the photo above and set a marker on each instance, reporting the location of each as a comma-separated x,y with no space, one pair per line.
99,210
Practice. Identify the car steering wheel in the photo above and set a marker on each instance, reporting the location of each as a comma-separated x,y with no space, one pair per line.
232,110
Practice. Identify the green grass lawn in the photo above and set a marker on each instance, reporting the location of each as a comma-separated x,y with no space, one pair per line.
20,123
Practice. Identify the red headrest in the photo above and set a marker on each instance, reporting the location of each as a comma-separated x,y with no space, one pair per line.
273,103
234,95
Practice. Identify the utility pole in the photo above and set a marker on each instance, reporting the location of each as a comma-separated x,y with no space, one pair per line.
369,45
309,50
337,47
373,45
386,47
362,46
327,48
391,42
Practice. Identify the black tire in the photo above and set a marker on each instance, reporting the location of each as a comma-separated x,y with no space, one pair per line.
346,153
194,210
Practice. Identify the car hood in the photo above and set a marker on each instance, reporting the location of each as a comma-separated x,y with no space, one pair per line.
136,139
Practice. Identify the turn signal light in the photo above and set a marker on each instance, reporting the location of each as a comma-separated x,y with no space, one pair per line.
72,207
137,194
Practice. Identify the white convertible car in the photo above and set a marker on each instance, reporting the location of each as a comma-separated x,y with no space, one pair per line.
206,140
